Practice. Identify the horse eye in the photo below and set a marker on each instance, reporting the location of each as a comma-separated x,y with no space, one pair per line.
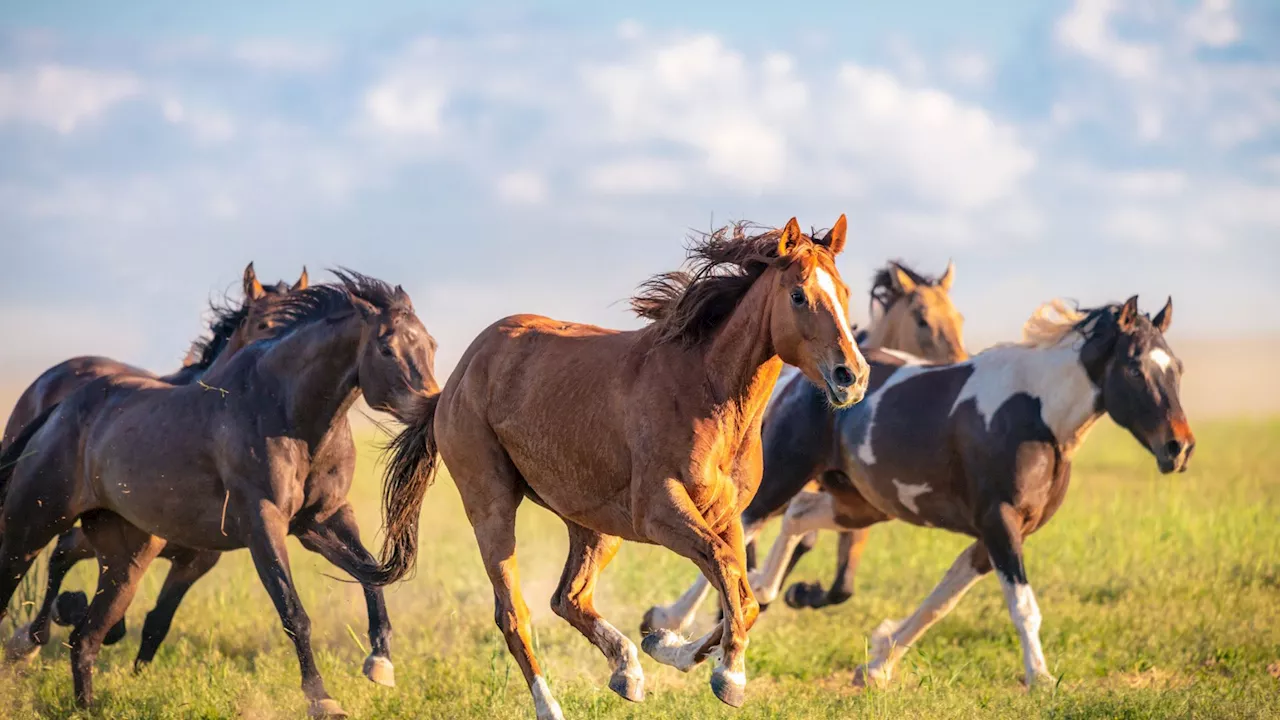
1134,371
797,297
385,350
920,321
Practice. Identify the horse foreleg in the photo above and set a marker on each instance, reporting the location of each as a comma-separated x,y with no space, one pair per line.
337,539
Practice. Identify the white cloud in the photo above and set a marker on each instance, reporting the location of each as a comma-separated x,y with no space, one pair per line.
208,126
279,55
1086,29
968,67
522,187
411,98
62,97
1213,24
638,176
925,141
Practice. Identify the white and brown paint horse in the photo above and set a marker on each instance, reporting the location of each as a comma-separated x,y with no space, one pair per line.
911,313
984,448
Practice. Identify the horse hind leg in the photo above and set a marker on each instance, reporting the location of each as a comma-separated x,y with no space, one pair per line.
187,566
71,548
813,595
125,552
337,539
589,553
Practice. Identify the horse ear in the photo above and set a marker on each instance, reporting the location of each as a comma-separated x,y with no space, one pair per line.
303,280
402,296
903,281
835,239
1128,313
253,289
790,238
1164,318
948,277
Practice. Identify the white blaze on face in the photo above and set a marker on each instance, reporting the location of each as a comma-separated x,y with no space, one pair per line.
828,285
1160,358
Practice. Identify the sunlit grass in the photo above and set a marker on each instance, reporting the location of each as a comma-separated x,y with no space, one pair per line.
1161,598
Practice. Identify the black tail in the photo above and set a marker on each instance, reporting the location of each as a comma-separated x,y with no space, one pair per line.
410,471
18,448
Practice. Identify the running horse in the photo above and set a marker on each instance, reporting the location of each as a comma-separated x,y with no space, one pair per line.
984,448
259,453
910,313
650,435
231,329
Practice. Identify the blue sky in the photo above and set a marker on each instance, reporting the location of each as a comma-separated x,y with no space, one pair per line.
547,157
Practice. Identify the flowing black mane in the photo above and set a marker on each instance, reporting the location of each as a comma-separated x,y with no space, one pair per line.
319,302
226,319
687,305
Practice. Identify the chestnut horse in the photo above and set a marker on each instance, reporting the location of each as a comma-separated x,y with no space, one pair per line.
255,455
984,448
651,435
231,329
910,313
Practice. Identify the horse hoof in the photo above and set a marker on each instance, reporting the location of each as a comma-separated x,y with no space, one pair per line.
655,640
70,608
630,687
380,670
21,647
729,686
799,595
326,708
864,678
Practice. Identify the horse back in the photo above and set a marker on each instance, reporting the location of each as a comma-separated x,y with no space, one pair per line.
58,382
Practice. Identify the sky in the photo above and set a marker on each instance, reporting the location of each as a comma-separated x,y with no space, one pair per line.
548,157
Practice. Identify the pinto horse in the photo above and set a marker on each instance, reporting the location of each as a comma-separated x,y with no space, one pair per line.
984,448
230,330
650,435
255,455
910,313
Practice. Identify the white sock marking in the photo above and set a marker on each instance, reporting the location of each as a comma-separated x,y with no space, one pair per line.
543,702
1025,614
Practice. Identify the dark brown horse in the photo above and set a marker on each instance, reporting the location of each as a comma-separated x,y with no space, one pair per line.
910,313
262,450
650,436
231,329
984,448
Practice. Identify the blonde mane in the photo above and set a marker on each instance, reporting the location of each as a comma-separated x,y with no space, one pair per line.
1050,323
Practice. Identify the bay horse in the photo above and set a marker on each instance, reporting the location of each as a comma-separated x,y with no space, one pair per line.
984,448
231,328
910,312
651,435
263,455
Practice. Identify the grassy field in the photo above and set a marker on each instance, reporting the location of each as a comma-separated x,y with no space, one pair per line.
1161,598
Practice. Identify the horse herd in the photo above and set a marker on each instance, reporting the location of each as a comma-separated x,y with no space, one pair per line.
687,433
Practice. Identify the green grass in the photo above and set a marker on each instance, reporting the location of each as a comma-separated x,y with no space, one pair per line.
1161,598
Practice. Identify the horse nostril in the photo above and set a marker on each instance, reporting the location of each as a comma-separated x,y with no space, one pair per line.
1173,448
843,375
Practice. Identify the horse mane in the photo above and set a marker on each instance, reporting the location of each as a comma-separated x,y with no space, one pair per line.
205,349
322,300
885,292
1050,323
687,305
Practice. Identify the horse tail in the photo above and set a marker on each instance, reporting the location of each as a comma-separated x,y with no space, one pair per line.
17,449
410,471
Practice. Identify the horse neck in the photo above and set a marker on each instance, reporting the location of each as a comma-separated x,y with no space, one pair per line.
315,371
1054,374
740,359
